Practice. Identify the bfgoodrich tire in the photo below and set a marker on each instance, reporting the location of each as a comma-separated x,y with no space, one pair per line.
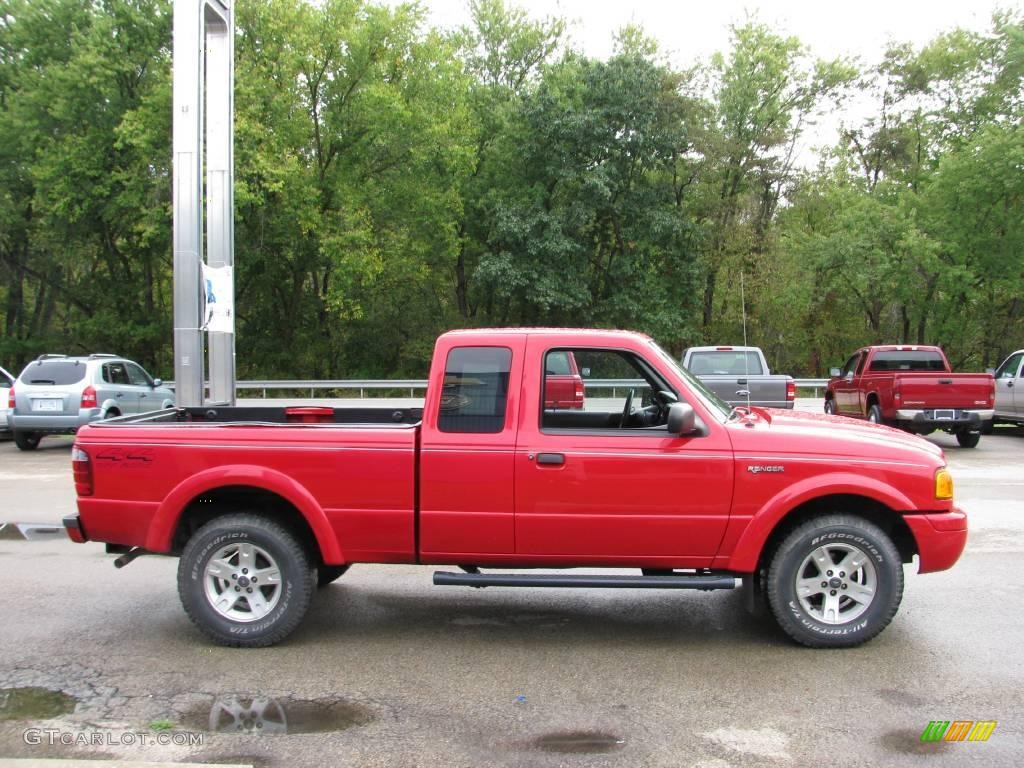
836,581
245,581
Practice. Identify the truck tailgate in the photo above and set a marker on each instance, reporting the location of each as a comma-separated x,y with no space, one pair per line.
356,483
765,391
943,390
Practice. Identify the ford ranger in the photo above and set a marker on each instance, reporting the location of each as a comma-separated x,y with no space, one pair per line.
812,516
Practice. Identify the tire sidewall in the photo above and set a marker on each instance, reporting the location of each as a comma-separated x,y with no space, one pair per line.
803,627
876,412
192,578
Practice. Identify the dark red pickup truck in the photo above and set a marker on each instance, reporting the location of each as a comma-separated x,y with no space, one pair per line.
913,388
816,515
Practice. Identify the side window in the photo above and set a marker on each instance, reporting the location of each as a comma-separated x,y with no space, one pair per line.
475,390
621,393
851,364
1009,369
115,373
137,376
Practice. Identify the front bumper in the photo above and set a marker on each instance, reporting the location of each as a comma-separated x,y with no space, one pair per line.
943,418
940,537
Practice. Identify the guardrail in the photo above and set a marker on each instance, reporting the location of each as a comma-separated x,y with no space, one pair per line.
362,386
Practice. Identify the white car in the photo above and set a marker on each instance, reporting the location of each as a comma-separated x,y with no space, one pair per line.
6,382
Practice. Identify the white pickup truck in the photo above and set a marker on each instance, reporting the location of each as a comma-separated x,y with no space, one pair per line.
740,375
1009,377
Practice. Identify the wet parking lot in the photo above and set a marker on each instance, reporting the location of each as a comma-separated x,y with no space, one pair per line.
388,670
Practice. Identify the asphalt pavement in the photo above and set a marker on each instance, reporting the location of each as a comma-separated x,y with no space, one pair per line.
388,670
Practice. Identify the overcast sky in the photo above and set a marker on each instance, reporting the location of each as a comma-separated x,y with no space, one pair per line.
693,29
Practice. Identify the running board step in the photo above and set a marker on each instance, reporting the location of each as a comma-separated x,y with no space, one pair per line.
585,581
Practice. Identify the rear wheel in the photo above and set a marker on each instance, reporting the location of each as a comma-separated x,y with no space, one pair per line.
27,441
326,574
968,439
245,581
835,582
874,414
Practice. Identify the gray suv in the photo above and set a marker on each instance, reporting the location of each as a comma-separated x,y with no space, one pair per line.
57,394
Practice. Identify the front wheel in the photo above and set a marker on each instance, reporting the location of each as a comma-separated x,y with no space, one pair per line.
968,439
830,407
245,581
27,441
835,582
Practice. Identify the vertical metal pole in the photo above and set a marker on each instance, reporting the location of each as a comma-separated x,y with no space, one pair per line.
188,245
220,209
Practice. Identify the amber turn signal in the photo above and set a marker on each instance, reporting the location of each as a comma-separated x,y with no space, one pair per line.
943,484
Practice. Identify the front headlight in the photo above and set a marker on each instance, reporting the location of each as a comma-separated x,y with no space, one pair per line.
943,484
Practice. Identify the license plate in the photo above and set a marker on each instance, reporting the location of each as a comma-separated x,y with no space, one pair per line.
47,405
945,415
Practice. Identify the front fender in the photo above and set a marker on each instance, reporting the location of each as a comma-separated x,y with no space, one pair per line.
161,530
748,549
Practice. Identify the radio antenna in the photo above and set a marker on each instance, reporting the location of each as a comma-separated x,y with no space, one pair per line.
746,352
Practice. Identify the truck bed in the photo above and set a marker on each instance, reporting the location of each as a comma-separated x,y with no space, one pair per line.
356,464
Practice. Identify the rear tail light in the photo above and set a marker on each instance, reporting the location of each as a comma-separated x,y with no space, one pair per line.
790,390
81,468
89,397
578,394
10,399
896,394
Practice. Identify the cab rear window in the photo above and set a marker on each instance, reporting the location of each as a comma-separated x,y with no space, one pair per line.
53,372
908,360
475,390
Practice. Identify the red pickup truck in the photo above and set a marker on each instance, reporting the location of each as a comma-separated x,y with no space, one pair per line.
913,388
261,504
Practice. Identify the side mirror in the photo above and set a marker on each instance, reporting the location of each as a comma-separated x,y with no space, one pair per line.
158,382
990,371
584,371
835,372
681,419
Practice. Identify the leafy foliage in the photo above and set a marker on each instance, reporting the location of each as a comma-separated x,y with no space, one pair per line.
394,181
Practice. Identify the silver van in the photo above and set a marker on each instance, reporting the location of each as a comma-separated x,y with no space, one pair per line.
57,394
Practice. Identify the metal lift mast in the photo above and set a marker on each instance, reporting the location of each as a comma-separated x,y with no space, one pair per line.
203,120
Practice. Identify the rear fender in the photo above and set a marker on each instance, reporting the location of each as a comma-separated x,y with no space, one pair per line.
748,549
161,530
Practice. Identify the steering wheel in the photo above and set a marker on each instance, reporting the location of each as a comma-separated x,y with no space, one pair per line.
627,409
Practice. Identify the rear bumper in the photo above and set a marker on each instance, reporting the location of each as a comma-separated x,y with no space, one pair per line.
73,525
943,418
54,425
940,537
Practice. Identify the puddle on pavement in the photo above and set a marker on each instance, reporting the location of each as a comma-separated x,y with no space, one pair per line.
909,743
274,717
34,704
579,742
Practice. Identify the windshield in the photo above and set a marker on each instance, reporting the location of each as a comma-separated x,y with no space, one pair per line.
711,401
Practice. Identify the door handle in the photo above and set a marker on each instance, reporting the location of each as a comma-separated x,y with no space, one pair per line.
1009,385
743,392
119,394
551,459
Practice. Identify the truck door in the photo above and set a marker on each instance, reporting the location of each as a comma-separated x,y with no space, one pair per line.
845,388
606,484
1009,394
467,453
